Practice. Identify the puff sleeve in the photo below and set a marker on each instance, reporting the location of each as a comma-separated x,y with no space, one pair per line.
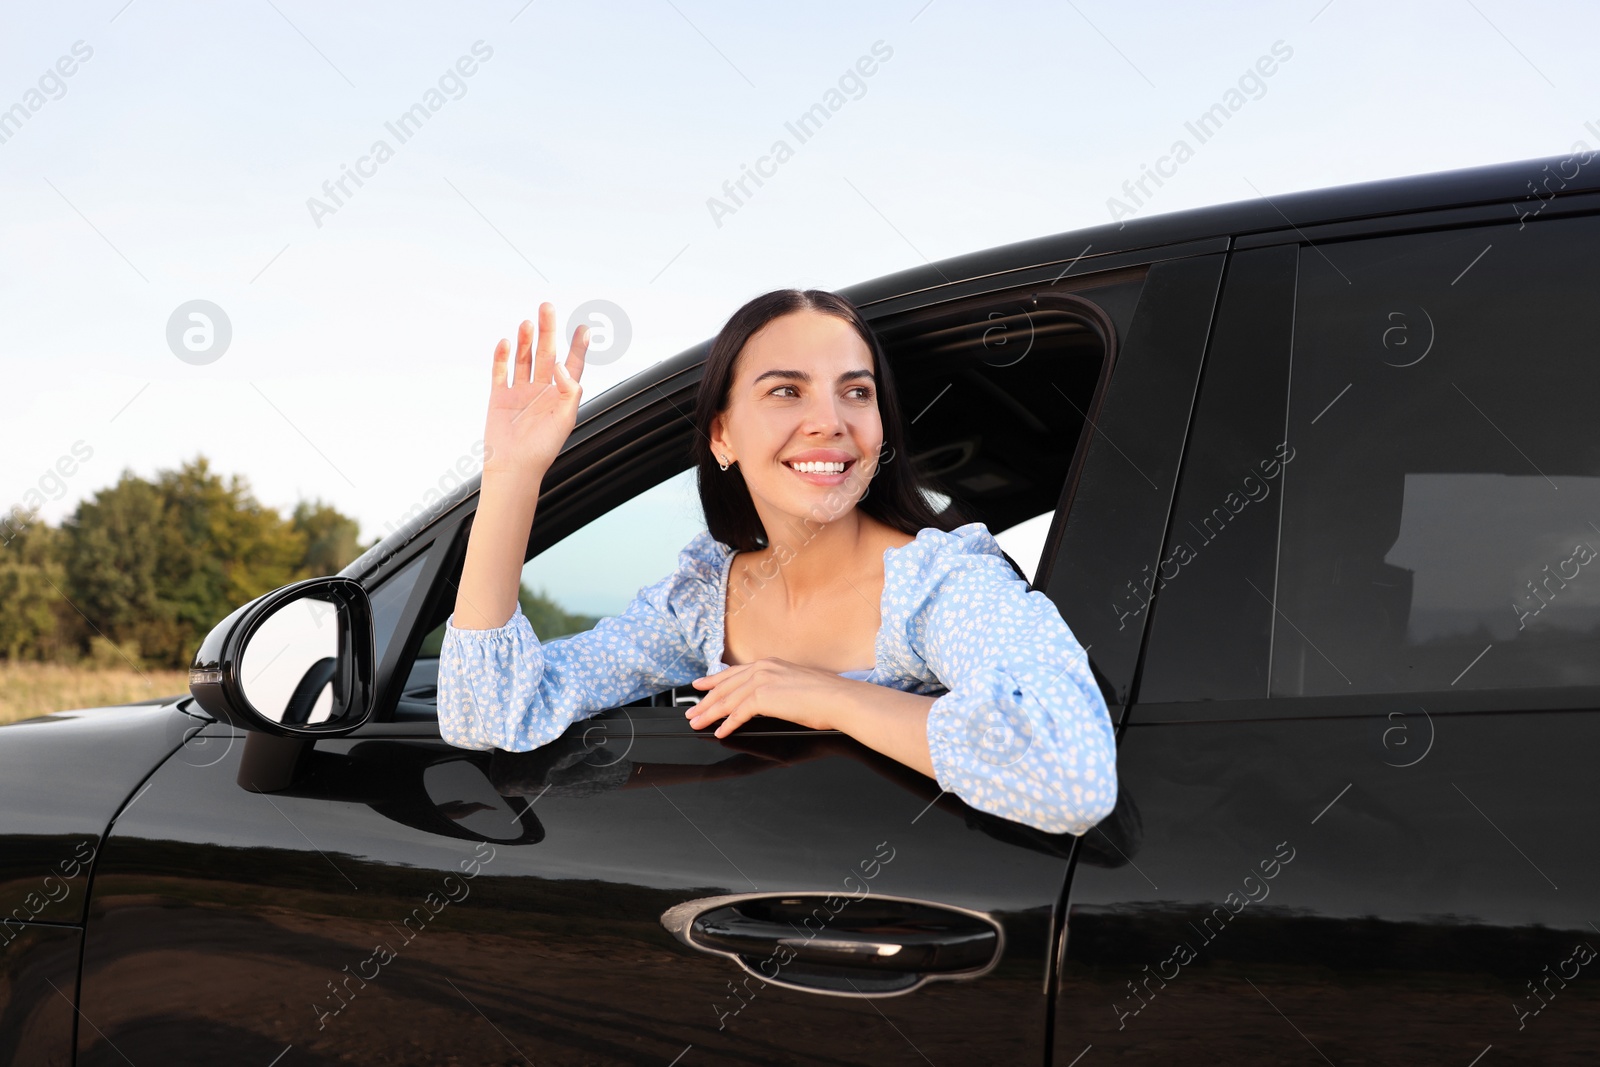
503,688
1023,731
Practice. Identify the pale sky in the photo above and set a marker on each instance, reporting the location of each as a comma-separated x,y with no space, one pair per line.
576,162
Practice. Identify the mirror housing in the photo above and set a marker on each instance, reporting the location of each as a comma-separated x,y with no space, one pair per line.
296,662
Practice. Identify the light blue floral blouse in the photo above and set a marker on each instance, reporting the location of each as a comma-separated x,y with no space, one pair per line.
1022,732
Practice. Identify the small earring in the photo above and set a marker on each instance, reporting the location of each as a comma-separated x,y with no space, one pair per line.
722,462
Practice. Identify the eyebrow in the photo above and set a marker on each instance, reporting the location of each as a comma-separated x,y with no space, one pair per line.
805,376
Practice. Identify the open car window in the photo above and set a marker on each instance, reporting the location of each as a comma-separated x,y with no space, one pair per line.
596,572
993,430
588,575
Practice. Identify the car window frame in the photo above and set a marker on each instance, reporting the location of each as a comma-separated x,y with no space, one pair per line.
1102,535
1530,699
637,443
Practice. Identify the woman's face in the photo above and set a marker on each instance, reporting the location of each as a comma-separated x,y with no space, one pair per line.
802,417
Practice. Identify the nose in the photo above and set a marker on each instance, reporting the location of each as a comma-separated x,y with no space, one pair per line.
823,416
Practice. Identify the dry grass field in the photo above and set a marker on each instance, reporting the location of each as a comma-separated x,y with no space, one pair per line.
29,689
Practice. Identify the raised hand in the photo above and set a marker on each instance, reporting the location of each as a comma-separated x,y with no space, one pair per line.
533,405
533,401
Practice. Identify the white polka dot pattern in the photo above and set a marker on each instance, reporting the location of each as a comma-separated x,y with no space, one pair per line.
1022,731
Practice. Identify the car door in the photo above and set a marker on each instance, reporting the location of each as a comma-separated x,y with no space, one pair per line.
387,897
1361,739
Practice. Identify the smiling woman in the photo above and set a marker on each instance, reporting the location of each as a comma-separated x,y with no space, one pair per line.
825,591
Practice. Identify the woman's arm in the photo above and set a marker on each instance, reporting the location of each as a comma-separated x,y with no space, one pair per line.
529,419
890,721
1023,732
886,720
501,687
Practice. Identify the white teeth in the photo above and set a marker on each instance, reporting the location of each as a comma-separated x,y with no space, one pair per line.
819,467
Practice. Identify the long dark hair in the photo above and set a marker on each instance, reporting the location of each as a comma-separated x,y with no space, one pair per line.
893,495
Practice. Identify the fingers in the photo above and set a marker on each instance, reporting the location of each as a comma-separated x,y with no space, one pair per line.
524,352
544,354
732,713
502,355
536,358
733,722
568,385
576,353
725,675
565,379
723,700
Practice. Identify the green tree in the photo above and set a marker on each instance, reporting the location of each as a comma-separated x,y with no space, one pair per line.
333,540
159,563
550,619
31,580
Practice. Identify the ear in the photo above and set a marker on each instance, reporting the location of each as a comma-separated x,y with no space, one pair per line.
719,438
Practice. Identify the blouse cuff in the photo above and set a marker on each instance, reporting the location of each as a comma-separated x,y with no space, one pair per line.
505,629
1002,751
489,672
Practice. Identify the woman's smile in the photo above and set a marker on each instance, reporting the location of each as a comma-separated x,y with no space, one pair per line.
821,466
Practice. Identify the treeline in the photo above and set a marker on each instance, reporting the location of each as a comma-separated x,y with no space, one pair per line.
143,570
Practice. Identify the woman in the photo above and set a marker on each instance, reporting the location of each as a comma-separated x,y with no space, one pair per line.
775,609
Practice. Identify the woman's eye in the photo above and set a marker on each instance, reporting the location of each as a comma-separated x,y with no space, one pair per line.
861,392
779,390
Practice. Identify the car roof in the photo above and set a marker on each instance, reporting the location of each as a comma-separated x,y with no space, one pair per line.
1465,187
1496,183
1288,212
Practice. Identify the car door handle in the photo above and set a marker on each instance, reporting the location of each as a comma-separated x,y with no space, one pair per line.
936,946
832,943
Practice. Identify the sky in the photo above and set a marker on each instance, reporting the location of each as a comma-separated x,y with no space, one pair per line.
580,153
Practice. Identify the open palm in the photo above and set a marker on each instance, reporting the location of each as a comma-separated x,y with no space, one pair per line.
532,412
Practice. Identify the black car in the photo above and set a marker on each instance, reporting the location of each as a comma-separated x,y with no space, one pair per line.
1314,478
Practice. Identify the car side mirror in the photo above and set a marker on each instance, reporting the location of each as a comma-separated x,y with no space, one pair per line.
296,662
